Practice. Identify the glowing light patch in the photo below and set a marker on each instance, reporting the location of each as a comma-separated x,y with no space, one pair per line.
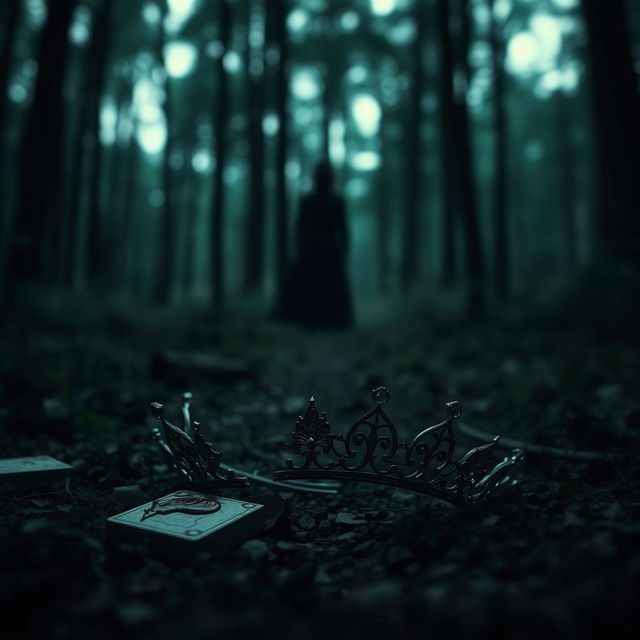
17,93
232,62
152,137
149,113
548,31
303,116
180,58
402,33
151,13
297,20
502,9
356,188
36,12
147,98
383,7
201,161
523,52
311,141
366,113
337,147
349,20
181,9
366,160
566,4
304,85
357,73
293,169
552,80
270,124
108,120
570,78
79,33
214,49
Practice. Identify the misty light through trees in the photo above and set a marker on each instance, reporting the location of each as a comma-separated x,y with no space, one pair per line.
364,85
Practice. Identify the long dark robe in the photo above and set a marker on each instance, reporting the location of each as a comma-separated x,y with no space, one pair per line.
317,291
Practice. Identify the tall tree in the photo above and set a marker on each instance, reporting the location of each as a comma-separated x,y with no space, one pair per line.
616,105
475,268
168,224
97,267
220,142
502,266
38,203
568,178
279,15
447,143
254,246
384,189
11,19
411,228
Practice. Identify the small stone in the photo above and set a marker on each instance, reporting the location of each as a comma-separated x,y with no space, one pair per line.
255,549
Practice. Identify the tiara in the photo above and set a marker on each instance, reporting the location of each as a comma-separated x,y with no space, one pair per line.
200,464
371,451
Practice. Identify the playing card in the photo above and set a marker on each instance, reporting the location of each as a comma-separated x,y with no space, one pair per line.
33,469
188,520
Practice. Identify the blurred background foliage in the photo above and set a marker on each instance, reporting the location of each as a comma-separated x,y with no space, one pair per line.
156,150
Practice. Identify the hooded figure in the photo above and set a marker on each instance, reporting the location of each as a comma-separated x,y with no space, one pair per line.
317,292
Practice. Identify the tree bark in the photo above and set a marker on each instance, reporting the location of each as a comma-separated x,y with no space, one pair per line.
567,188
616,109
414,151
220,133
6,56
383,210
38,205
254,245
476,303
97,263
502,264
282,91
447,145
167,255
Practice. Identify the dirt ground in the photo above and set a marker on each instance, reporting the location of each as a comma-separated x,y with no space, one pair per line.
560,556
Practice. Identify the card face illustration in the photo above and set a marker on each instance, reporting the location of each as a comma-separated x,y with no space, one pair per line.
187,519
33,469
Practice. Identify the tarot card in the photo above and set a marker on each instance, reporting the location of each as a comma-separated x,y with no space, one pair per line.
33,469
188,520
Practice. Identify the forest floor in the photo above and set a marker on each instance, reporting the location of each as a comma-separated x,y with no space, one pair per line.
559,556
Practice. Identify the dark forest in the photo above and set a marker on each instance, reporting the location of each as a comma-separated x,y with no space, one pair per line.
262,201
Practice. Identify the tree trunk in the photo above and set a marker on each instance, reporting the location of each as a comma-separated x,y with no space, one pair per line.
13,10
447,145
411,228
476,303
616,105
567,188
97,264
500,195
220,133
167,255
38,204
383,210
129,209
254,246
192,184
282,89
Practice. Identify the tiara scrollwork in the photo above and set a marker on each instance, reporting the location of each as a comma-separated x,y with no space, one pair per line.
371,451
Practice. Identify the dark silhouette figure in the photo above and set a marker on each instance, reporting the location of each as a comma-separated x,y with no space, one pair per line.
316,292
